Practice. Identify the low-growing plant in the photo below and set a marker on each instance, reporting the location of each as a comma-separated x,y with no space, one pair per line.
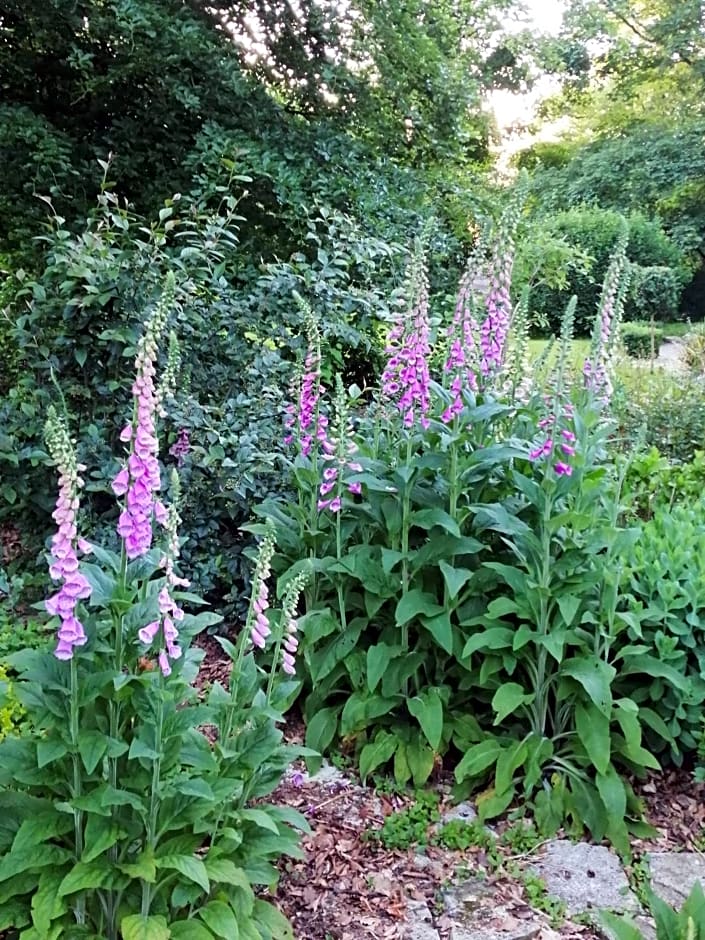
688,923
663,596
410,826
120,818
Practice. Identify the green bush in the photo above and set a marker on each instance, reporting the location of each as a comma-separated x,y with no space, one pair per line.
595,232
641,340
653,482
661,409
11,711
663,592
694,349
655,292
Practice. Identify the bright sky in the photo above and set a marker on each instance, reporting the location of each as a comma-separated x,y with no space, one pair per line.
545,16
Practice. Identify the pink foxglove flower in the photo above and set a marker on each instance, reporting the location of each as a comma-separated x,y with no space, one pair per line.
140,480
64,565
289,640
257,620
169,611
406,379
559,445
460,362
598,365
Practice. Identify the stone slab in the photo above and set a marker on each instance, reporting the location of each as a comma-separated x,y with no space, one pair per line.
419,922
673,874
585,877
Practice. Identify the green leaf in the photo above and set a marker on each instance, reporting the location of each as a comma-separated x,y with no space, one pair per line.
429,518
416,602
220,919
379,657
137,927
593,729
261,819
377,752
41,827
612,793
322,728
455,578
187,865
273,920
507,699
441,630
91,746
225,871
100,834
143,867
569,605
191,930
427,708
420,759
477,759
46,904
496,638
49,750
619,928
84,876
595,676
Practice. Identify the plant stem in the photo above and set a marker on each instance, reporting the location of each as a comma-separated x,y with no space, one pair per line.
80,909
154,800
405,513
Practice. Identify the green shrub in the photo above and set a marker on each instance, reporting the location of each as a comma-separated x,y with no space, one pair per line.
663,596
694,349
11,711
653,482
661,409
595,232
655,292
640,340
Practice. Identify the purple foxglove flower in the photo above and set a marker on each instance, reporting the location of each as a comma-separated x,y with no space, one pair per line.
335,504
563,469
355,488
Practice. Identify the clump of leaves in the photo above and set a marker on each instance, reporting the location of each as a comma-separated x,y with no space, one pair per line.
686,924
409,826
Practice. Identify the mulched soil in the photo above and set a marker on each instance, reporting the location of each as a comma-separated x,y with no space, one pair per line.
349,887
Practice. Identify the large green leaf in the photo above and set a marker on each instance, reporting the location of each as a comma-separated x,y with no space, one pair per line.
595,676
496,638
508,698
85,876
429,518
220,919
414,603
191,930
455,578
593,729
440,629
322,728
379,656
273,920
619,927
420,760
137,927
187,865
478,758
377,752
427,708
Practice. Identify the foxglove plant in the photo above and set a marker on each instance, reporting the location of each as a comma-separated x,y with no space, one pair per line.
139,480
460,364
406,379
597,370
116,795
66,544
494,329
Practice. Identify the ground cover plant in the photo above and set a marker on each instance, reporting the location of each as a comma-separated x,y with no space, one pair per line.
120,818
